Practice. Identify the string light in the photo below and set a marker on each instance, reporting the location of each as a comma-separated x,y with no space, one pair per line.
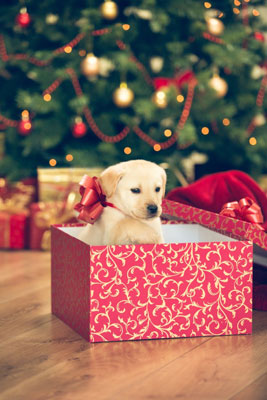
237,3
47,97
157,147
207,4
167,132
226,121
252,141
220,15
82,53
255,13
126,27
69,157
205,130
127,150
236,11
52,162
27,126
180,98
68,49
25,114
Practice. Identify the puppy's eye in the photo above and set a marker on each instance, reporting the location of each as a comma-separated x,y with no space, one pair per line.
157,189
135,190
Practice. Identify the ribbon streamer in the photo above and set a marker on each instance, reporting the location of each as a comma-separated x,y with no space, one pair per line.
245,209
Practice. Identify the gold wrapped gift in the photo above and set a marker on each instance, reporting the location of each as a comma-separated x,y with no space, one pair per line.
54,182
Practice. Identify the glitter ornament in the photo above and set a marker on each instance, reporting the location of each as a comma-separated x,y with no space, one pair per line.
90,65
109,10
219,85
123,96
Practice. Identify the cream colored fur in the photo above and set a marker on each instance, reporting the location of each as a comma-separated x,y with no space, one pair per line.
131,223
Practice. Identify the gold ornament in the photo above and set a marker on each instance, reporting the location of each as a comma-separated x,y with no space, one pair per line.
109,10
90,65
259,120
160,99
123,96
219,85
215,26
156,64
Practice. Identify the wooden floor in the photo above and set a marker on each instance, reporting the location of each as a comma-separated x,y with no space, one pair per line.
41,358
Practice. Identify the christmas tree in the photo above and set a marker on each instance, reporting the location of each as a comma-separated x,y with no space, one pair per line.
90,84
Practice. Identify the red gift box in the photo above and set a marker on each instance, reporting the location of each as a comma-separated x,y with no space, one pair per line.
198,283
13,230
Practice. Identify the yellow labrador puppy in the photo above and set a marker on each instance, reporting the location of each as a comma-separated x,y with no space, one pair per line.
136,188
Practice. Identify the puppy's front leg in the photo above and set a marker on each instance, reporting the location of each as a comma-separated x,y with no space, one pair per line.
130,231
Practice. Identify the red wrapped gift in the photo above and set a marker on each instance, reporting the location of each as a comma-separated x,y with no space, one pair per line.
14,202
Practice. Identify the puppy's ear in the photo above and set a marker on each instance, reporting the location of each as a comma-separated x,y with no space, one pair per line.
109,179
164,178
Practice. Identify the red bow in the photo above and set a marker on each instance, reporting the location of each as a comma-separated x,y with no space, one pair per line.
245,209
178,81
93,200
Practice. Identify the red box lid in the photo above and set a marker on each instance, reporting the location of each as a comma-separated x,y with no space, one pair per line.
229,226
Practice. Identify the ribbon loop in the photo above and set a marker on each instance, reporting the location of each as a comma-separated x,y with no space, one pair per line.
245,209
93,200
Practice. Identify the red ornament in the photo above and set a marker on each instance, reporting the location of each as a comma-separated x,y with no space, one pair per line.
23,19
79,129
259,36
24,127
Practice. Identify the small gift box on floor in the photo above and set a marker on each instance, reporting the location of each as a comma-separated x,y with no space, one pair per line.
14,211
198,283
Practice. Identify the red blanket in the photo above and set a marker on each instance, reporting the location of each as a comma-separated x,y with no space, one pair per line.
212,192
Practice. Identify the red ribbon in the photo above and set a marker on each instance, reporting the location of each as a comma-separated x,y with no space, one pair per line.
245,209
177,81
93,200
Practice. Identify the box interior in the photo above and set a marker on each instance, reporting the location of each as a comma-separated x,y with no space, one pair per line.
181,233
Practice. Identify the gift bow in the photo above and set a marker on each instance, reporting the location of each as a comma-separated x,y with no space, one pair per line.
177,81
245,209
93,200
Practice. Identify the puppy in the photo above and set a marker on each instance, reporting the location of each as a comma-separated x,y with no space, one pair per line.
136,189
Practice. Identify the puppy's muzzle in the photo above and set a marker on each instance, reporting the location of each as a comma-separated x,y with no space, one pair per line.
152,210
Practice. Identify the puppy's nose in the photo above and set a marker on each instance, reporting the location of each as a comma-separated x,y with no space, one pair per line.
152,209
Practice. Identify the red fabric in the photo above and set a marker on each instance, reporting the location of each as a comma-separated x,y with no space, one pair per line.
213,191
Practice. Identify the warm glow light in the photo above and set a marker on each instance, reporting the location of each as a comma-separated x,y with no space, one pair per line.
205,130
126,27
167,132
180,98
246,1
237,3
82,53
252,141
68,49
27,126
52,162
236,11
157,147
255,13
69,157
226,121
207,4
25,114
127,150
220,15
47,97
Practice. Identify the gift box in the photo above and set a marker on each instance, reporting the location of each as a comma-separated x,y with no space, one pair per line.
43,215
198,283
54,182
14,211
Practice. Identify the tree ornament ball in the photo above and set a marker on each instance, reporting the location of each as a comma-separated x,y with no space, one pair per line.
156,64
90,65
215,26
23,19
24,127
259,120
160,99
219,85
123,96
109,10
79,128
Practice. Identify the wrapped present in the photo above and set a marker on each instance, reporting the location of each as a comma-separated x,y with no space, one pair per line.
197,283
45,214
14,212
54,182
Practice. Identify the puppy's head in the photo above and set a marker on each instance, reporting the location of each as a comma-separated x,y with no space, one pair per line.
136,187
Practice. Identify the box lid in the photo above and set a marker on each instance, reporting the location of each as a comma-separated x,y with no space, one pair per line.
230,226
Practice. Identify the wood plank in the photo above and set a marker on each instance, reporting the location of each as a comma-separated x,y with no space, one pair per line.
255,391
